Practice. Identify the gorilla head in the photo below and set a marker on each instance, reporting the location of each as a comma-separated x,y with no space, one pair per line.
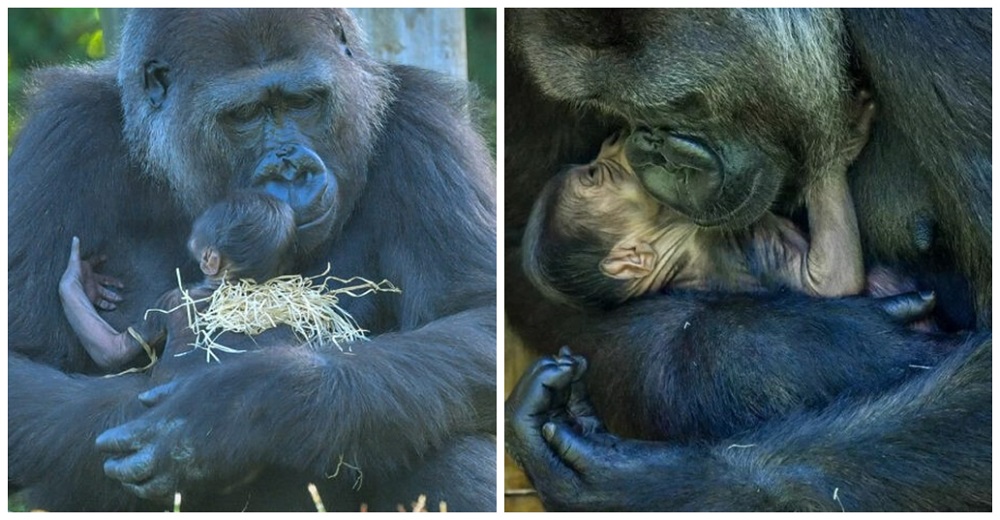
268,106
731,98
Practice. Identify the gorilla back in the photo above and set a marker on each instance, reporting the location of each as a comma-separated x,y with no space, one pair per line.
387,179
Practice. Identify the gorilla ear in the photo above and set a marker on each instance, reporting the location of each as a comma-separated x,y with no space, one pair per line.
343,39
155,82
629,261
211,261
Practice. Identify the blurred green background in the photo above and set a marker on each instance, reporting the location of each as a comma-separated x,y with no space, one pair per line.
39,37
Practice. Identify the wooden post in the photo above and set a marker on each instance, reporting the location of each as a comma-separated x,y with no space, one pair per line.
429,38
111,24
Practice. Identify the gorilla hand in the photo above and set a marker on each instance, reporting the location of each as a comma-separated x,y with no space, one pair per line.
598,471
191,443
553,432
82,276
153,456
909,307
542,392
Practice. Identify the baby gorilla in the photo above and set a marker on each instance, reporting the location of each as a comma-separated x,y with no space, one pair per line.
595,237
250,235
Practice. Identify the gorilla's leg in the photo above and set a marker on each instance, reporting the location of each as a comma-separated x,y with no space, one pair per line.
50,444
462,475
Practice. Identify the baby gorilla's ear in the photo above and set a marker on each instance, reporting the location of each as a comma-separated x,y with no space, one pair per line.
210,261
629,260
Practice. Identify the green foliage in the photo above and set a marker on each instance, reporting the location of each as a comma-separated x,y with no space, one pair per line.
39,37
481,41
15,503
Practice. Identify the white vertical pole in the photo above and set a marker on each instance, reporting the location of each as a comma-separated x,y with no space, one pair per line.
429,38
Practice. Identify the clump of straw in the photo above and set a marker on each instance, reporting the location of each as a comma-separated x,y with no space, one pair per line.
310,309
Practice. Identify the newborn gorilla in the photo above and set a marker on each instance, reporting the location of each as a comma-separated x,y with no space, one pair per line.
595,236
248,235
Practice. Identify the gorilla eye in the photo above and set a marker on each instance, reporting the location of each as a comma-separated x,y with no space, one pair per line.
244,114
591,176
302,101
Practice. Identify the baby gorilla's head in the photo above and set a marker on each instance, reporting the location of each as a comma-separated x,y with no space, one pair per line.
248,235
583,215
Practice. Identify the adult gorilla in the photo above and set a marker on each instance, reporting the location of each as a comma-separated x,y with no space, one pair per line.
387,180
763,93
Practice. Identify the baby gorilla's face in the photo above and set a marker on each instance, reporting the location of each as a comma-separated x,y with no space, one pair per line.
607,194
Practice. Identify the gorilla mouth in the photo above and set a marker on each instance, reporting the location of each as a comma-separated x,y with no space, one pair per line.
755,203
310,224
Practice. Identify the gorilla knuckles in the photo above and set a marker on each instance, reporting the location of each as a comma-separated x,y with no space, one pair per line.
270,113
719,70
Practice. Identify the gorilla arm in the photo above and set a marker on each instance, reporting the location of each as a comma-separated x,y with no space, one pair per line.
44,439
107,347
834,265
398,397
791,464
666,385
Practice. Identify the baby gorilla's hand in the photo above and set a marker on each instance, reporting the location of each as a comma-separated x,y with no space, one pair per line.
80,275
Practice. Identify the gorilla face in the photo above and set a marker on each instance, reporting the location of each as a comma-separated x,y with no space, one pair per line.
684,173
274,108
738,121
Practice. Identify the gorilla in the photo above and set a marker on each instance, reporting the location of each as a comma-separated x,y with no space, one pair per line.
387,178
617,426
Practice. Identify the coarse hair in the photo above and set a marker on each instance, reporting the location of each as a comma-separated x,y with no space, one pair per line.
563,259
253,231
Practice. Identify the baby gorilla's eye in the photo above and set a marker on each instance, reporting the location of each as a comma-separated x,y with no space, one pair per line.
591,176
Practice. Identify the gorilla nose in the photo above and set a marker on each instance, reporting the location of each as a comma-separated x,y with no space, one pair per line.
289,163
292,173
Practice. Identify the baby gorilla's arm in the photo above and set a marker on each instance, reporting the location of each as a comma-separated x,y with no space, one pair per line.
106,346
834,265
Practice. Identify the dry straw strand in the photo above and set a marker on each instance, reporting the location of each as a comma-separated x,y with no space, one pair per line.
309,308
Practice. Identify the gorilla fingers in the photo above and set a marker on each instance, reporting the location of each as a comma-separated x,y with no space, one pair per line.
249,235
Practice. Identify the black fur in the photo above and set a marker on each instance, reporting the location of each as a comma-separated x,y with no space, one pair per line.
414,408
904,439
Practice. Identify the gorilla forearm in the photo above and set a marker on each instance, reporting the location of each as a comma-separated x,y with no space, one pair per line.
664,383
51,419
855,455
396,397
380,408
825,461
